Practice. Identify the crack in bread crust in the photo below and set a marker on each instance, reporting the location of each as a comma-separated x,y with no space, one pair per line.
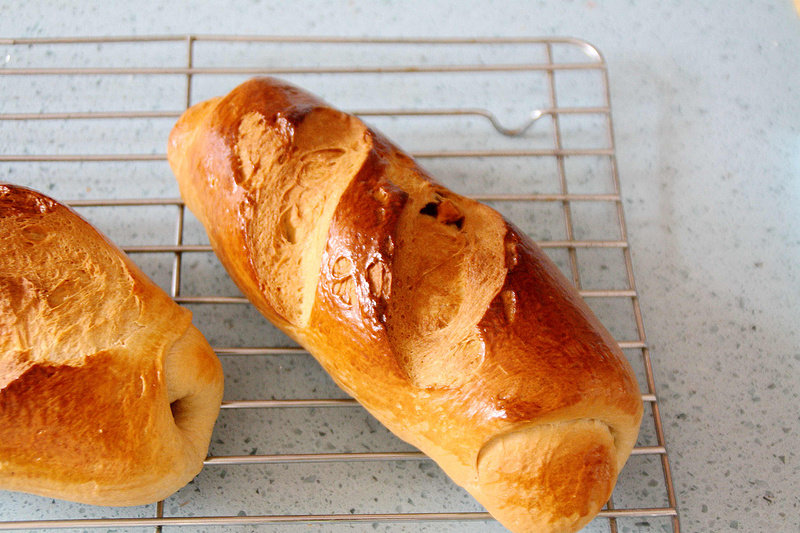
303,169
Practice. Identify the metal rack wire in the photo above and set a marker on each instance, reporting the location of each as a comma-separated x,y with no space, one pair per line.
549,68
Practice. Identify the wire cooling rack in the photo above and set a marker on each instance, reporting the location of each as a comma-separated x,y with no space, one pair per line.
522,124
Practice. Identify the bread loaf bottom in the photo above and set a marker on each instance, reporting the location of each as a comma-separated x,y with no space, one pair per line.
108,394
450,326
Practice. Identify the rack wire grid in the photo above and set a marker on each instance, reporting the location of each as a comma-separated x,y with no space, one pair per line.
522,124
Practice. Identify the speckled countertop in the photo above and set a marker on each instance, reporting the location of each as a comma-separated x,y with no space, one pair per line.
706,104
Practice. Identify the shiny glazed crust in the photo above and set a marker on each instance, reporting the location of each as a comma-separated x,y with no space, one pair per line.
108,394
442,319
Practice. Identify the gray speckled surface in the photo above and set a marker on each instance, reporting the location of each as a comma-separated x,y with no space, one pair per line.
707,120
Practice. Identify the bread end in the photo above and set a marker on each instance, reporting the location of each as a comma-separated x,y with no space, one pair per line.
550,478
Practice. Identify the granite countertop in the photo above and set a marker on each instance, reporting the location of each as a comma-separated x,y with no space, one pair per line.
706,104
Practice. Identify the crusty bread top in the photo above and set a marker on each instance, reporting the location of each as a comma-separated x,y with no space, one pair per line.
92,354
440,317
400,251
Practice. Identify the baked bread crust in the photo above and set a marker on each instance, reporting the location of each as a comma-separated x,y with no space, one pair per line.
444,321
108,394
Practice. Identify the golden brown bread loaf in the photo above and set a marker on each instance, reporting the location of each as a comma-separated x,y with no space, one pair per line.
108,394
443,320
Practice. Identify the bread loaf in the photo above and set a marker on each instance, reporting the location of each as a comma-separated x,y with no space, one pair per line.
108,394
440,317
